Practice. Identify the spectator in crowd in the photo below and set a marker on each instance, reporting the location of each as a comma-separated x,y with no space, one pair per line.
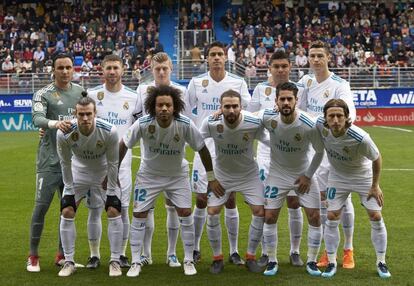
301,60
250,71
7,66
250,53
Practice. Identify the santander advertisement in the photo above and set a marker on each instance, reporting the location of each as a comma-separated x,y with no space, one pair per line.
387,107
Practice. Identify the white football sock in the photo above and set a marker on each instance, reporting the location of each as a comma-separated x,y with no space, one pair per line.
187,235
136,238
68,236
332,238
125,229
379,239
232,224
149,231
94,231
173,228
270,238
214,234
200,216
115,236
314,242
295,227
347,219
255,234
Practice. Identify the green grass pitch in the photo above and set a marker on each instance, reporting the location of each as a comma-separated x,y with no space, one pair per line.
17,169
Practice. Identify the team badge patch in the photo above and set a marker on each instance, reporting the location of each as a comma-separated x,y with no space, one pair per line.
151,129
99,144
55,94
325,132
149,88
268,91
74,136
220,128
246,137
38,106
326,93
177,138
204,83
100,95
309,83
126,105
346,150
298,137
273,124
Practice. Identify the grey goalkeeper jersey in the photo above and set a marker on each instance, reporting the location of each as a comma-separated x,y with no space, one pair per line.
52,103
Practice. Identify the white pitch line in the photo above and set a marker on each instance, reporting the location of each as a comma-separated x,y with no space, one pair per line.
409,170
394,128
136,147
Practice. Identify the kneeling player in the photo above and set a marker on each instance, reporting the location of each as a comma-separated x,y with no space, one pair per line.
234,133
164,132
92,146
356,166
292,133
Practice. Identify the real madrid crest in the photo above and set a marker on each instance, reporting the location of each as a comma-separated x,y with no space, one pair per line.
346,150
309,83
326,93
177,138
204,83
298,137
74,136
99,144
246,137
268,91
149,88
273,124
55,94
126,105
220,128
100,95
151,129
325,132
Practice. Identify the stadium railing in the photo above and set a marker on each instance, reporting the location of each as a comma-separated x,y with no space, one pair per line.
184,70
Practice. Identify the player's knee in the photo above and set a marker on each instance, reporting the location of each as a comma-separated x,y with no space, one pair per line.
334,215
140,214
323,196
113,206
201,201
68,206
374,215
314,217
258,211
213,210
292,202
183,212
270,217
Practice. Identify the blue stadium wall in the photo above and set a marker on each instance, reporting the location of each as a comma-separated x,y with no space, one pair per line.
374,107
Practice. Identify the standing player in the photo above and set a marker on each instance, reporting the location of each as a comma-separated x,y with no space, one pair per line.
292,133
89,158
203,94
52,109
355,168
120,106
264,96
164,132
318,89
161,67
234,133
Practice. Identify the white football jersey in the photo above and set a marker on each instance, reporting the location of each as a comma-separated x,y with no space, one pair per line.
96,155
314,95
120,108
142,91
350,156
164,150
289,145
234,148
264,96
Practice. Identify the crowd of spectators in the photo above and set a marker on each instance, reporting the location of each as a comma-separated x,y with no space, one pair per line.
365,34
195,15
30,34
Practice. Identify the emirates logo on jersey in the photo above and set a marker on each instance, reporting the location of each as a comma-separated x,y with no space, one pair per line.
273,124
220,128
204,83
125,106
268,91
298,137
